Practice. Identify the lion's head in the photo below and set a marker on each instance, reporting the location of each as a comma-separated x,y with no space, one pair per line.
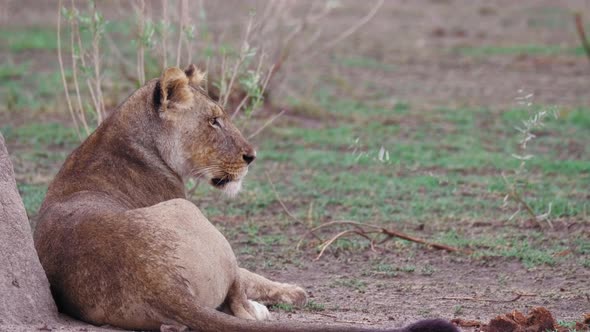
198,138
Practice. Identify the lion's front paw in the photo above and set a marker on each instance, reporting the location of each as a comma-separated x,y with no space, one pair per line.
292,294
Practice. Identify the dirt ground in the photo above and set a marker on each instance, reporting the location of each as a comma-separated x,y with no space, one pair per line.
415,38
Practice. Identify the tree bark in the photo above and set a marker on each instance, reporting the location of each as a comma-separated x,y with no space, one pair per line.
25,297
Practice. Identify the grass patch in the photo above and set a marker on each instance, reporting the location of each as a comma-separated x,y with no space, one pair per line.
312,305
41,134
11,71
444,169
282,307
355,284
365,63
32,196
28,39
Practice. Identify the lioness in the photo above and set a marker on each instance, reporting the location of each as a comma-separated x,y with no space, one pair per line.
122,246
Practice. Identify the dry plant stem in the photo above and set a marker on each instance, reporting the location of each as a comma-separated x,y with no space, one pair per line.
348,32
266,124
247,96
124,63
97,78
264,87
326,244
582,34
80,111
88,81
182,14
63,73
189,49
140,10
274,190
361,227
207,63
238,64
165,34
461,298
515,195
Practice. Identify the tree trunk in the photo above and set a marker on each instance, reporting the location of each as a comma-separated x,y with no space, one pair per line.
24,291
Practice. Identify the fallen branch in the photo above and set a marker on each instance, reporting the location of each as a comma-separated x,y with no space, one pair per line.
478,299
582,34
365,230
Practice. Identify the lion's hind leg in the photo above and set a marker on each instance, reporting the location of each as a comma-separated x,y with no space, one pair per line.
261,289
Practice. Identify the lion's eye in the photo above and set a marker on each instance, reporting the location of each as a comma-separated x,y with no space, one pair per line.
215,122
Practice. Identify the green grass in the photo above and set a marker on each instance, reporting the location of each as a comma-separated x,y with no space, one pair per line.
28,39
312,305
282,307
41,134
443,169
355,284
365,63
11,71
32,196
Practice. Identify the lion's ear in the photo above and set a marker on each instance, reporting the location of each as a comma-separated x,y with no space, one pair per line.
174,90
195,76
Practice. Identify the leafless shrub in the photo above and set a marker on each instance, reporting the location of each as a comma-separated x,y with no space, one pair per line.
516,183
85,63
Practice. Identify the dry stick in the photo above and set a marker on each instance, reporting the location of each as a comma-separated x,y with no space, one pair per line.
515,195
222,85
182,14
266,124
83,61
239,62
264,85
207,63
97,79
350,31
460,298
189,49
74,29
140,12
63,73
582,34
164,33
389,232
326,244
247,96
124,63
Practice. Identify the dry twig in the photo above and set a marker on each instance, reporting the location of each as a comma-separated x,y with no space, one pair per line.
182,14
63,73
274,190
266,124
582,34
479,299
365,229
73,32
164,34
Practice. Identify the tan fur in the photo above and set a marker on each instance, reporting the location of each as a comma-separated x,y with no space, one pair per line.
120,243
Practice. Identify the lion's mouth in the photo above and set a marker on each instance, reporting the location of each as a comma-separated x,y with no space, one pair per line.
220,182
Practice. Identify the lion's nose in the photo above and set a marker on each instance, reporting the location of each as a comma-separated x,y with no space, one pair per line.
249,157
